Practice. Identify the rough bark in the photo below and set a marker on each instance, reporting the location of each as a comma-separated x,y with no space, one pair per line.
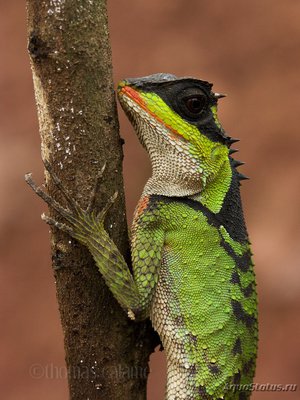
106,354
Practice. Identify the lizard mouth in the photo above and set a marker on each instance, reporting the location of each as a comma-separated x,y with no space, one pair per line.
128,92
132,104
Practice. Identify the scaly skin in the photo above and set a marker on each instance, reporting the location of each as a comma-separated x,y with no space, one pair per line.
192,269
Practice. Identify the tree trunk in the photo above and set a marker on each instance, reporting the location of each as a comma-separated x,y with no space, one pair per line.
106,354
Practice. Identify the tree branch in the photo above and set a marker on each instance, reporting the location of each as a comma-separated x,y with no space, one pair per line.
106,354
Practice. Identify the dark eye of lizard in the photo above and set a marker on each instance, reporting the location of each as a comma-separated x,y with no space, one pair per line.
195,104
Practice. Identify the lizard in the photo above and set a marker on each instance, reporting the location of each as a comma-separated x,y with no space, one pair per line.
192,269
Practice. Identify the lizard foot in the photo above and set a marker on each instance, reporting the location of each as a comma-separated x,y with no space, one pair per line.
79,222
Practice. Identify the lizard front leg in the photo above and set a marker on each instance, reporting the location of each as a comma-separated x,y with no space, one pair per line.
87,227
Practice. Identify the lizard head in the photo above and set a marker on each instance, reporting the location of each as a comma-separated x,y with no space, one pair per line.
176,121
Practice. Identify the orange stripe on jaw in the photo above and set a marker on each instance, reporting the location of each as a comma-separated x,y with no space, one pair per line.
135,96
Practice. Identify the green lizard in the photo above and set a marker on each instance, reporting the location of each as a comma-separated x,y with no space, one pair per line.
192,269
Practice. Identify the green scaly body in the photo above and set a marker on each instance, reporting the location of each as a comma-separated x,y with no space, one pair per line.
203,279
192,269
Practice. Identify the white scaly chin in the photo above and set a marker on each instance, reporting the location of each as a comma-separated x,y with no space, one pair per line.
182,178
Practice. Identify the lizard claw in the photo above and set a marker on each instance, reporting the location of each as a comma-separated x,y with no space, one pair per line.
62,227
101,215
73,205
80,221
95,189
48,199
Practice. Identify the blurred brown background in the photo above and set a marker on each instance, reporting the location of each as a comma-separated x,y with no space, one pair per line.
251,51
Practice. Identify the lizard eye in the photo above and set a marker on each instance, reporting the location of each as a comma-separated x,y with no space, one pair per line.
195,104
191,103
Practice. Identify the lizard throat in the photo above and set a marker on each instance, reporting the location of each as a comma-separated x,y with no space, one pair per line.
170,178
175,172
